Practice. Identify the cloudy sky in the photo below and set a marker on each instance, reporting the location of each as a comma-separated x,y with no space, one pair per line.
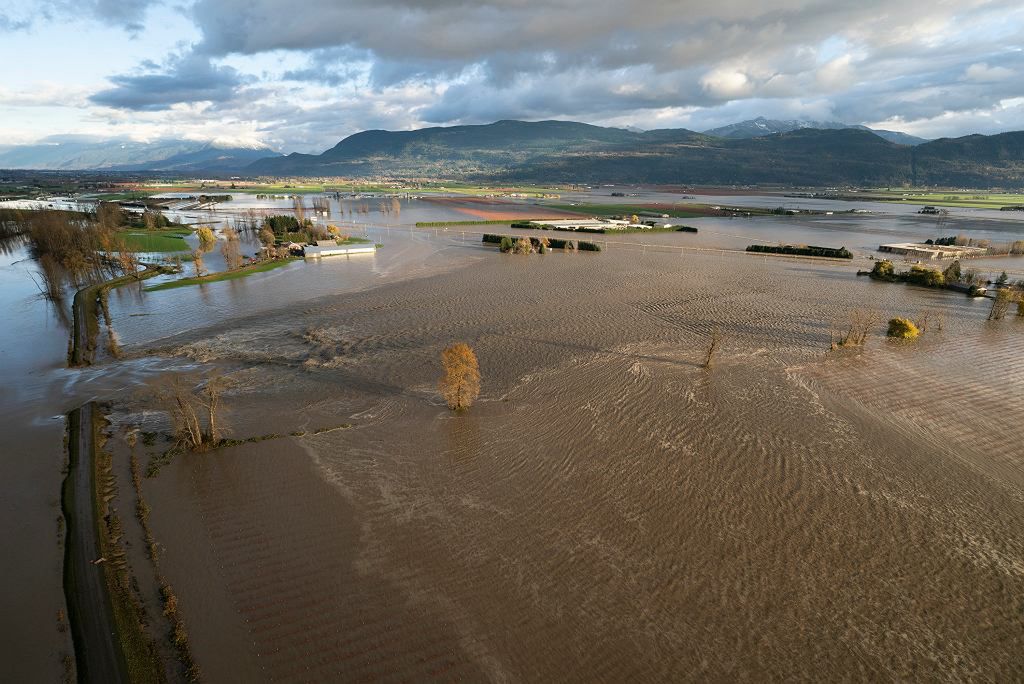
300,75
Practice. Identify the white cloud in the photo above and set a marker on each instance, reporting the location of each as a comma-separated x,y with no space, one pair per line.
983,73
836,74
726,84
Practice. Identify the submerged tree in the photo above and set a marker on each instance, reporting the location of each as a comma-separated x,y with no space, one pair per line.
194,412
861,323
952,274
197,262
231,249
1001,304
713,344
460,385
523,246
206,238
902,329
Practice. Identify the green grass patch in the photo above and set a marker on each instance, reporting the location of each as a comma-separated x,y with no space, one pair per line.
156,241
969,199
225,275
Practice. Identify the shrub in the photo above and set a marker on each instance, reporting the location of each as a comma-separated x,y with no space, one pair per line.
584,246
902,329
506,244
883,270
495,239
523,246
926,277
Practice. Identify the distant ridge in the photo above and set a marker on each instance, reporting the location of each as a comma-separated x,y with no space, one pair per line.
572,151
79,153
755,128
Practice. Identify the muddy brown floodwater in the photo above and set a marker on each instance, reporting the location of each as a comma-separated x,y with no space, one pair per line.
609,510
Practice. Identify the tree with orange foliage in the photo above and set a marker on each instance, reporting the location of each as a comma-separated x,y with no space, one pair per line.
461,382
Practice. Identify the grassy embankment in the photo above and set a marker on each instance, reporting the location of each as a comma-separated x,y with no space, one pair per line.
112,616
242,272
85,310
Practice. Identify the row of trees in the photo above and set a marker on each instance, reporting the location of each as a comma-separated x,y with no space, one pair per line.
1015,247
76,247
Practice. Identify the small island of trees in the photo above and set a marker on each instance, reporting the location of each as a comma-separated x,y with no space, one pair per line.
802,250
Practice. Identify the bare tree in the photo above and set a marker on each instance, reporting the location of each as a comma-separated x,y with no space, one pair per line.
231,249
861,323
188,406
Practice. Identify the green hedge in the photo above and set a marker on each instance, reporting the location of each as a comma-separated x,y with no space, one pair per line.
803,250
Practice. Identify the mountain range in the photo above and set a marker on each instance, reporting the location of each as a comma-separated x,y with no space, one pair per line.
91,154
577,152
756,128
567,151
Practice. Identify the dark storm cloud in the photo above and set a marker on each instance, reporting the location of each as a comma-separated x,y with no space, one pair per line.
187,79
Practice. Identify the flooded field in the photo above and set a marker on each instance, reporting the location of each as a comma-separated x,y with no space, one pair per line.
608,510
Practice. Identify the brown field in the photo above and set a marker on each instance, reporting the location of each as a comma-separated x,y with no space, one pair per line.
609,510
489,209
